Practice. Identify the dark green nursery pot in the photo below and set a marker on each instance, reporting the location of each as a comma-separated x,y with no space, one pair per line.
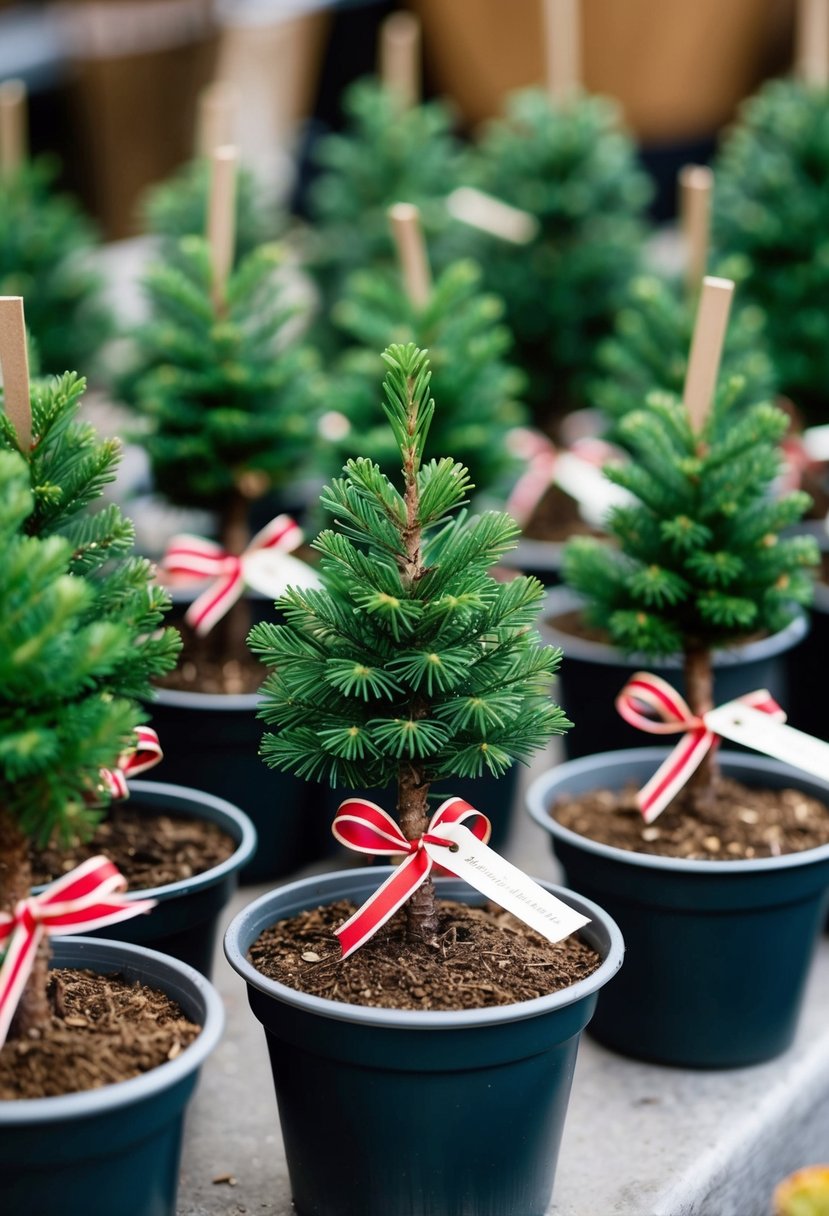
397,1113
593,673
115,1149
718,952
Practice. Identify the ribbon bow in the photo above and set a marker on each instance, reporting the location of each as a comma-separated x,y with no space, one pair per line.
146,754
86,898
649,703
544,465
199,558
365,827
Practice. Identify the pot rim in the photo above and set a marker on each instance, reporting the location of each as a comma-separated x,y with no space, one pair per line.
120,1094
563,599
245,847
229,702
410,1019
537,803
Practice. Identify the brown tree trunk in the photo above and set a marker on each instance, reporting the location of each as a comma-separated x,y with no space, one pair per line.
33,1012
233,629
413,811
699,693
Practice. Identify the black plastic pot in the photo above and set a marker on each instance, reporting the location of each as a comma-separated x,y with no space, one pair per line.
395,1113
805,705
718,952
185,921
211,742
115,1149
541,558
593,673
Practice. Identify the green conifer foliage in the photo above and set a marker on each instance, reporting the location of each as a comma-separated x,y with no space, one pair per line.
648,351
478,391
229,396
771,225
387,154
700,558
575,171
178,207
45,243
412,662
79,640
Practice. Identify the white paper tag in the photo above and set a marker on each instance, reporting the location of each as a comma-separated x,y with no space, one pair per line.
505,884
586,483
816,442
270,572
754,729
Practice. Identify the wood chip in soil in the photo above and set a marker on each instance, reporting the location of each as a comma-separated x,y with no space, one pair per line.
556,517
739,822
149,849
485,957
103,1029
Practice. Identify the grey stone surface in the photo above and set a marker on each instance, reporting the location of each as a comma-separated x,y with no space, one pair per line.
639,1140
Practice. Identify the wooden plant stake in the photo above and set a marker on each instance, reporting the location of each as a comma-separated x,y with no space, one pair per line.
221,219
812,37
14,359
216,123
411,252
492,215
13,140
696,184
562,37
706,348
400,57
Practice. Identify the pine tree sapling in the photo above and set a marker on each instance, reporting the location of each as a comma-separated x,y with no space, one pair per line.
699,560
79,642
771,218
479,391
411,663
572,168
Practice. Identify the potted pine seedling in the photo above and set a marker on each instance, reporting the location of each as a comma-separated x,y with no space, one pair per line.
182,846
46,247
717,868
478,390
561,156
228,399
396,1036
99,1054
393,148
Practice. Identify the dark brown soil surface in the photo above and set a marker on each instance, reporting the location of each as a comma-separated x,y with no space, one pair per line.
103,1030
738,824
149,849
485,958
575,625
556,518
199,669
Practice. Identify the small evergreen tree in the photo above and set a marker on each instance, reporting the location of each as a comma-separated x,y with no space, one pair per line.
478,391
411,663
79,641
699,560
228,395
178,207
648,351
573,169
771,227
45,247
386,154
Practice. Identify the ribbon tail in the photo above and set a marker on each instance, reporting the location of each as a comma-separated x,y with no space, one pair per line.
212,604
14,972
384,902
674,772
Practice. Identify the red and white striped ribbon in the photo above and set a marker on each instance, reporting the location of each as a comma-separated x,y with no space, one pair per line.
146,754
365,827
541,456
200,558
88,897
649,703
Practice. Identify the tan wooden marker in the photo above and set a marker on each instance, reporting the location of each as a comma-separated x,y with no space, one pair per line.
812,38
400,57
411,252
221,218
216,123
13,140
562,37
492,215
706,348
696,184
14,359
